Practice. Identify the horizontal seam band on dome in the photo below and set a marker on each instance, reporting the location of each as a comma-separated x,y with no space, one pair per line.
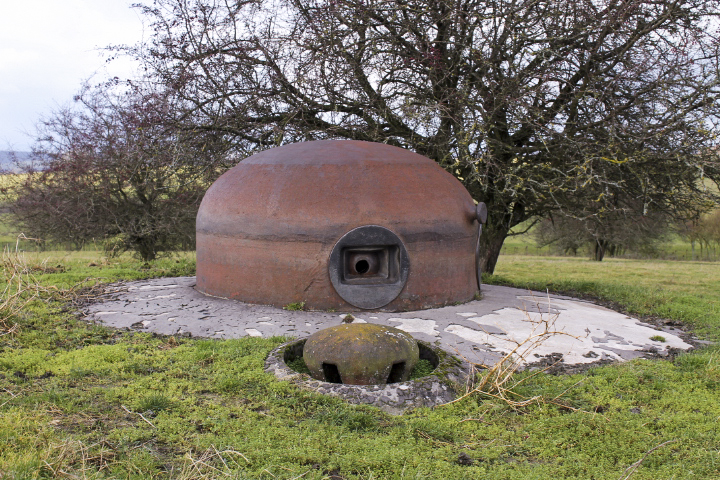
331,239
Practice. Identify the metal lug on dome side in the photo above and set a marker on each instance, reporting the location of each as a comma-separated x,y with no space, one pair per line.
481,213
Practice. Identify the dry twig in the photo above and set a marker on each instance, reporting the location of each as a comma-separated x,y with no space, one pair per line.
12,397
631,469
139,414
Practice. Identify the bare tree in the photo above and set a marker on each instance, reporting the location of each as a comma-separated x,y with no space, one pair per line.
703,230
536,106
612,234
109,167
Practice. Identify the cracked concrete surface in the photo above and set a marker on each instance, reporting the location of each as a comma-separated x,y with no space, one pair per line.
481,331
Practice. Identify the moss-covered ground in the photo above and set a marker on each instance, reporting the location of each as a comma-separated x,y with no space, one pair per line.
83,401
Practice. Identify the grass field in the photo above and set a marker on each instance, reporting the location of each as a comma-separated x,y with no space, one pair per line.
83,401
671,249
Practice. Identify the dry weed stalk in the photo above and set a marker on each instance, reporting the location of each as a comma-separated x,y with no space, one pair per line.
73,459
23,237
21,287
499,381
201,468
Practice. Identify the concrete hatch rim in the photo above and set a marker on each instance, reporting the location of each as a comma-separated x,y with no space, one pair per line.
445,384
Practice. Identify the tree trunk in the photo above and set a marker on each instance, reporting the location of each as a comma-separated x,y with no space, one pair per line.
491,241
146,247
600,249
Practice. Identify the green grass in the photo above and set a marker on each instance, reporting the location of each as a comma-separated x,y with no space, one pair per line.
671,249
298,364
295,306
422,369
85,401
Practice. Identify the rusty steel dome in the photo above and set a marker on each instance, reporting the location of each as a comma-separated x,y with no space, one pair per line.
338,224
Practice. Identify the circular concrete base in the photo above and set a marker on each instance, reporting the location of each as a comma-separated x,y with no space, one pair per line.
443,386
572,331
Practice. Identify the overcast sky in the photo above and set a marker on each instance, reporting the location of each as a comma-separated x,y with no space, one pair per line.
48,48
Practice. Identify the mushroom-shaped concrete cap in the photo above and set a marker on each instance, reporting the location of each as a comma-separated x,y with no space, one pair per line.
361,354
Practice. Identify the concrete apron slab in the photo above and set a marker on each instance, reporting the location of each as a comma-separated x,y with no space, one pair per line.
481,331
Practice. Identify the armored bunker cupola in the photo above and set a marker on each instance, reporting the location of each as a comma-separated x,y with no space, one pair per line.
338,224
